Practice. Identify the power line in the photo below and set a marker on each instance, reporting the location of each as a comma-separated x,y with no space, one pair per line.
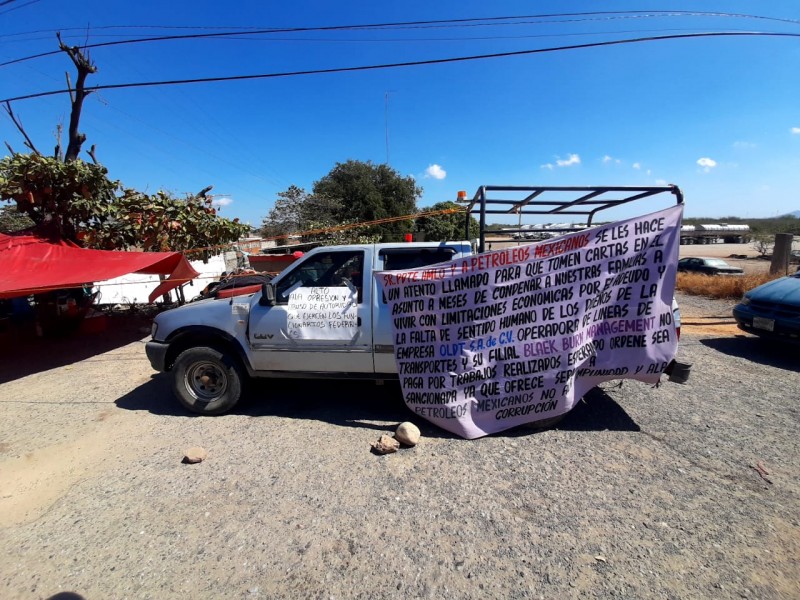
454,22
462,38
479,21
13,8
407,64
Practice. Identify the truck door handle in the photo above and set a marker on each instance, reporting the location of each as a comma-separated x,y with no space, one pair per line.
358,321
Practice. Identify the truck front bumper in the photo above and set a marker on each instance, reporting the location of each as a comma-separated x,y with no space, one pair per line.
157,355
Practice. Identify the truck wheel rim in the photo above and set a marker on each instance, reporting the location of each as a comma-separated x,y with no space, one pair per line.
206,381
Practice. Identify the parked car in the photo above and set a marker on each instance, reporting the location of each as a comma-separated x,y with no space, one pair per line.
772,310
708,266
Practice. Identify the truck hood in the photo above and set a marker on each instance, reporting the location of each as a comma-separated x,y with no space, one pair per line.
219,314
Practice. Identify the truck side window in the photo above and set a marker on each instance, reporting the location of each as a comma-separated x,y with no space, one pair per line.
413,258
326,269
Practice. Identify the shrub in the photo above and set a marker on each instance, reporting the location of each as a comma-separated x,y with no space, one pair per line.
720,286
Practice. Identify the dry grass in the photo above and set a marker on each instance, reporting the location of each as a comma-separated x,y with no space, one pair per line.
720,286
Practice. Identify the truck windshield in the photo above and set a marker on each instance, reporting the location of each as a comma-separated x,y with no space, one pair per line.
327,269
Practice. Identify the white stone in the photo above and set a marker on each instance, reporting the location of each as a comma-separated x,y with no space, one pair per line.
407,434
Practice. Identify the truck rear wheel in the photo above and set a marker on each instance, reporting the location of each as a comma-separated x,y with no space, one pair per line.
206,381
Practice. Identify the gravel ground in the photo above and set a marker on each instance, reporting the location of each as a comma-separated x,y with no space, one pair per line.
638,493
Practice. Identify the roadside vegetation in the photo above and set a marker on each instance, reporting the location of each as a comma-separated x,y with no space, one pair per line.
361,192
720,287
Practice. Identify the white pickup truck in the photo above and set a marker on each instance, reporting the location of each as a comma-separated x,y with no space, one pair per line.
210,347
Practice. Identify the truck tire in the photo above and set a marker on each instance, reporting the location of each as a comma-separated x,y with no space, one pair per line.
206,381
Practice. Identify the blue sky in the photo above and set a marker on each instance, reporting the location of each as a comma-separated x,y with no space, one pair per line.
720,117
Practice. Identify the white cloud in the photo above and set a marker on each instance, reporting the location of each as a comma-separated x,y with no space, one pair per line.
607,159
661,182
637,166
435,171
573,159
795,130
648,172
223,201
547,166
610,159
707,164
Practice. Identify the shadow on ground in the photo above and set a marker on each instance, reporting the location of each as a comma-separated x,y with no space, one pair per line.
22,353
360,404
762,351
598,411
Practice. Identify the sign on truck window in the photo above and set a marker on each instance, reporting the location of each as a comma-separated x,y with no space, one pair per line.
498,339
322,313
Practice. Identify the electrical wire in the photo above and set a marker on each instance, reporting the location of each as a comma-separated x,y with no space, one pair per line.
13,8
338,228
141,84
467,22
448,22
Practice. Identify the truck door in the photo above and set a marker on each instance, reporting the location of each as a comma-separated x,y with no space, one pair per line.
393,259
320,322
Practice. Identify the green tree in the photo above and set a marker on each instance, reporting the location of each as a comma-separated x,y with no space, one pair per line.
286,216
364,191
160,222
77,201
61,198
445,227
298,212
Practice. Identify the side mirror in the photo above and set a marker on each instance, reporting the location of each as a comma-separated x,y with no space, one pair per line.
267,294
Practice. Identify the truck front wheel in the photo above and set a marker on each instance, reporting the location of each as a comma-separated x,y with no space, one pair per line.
207,381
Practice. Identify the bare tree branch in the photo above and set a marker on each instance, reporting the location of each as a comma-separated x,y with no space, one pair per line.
85,68
91,154
21,129
202,193
10,149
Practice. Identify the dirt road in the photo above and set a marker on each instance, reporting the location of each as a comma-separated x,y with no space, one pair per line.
676,492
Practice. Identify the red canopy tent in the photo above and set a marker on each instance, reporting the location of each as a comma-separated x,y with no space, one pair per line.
31,265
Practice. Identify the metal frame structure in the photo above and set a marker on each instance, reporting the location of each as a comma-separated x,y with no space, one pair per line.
585,201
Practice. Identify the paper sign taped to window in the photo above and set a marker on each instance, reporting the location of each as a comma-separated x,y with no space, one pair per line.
322,313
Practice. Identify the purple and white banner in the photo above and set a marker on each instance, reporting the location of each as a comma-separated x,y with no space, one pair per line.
495,340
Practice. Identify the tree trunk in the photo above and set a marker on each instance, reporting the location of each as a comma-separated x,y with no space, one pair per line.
85,67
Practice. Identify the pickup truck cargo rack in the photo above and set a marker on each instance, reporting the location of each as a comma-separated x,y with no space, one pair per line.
584,201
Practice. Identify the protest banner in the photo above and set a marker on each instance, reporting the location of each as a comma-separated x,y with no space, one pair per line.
499,339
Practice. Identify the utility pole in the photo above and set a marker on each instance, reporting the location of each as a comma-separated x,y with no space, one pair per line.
386,120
